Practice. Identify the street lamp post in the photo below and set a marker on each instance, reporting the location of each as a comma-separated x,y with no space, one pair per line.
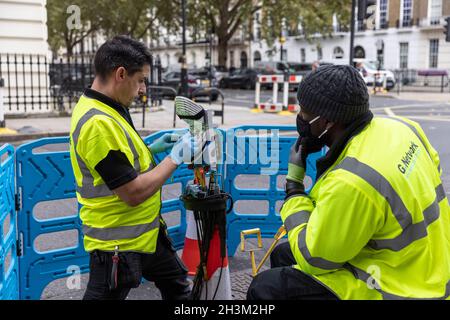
210,56
184,84
282,41
352,32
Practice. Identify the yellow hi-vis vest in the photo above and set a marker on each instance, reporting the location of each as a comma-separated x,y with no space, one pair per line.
96,129
376,224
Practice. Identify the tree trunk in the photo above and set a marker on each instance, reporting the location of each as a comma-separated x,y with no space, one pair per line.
69,48
223,52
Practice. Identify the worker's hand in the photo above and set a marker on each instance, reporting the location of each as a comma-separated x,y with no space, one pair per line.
297,162
164,143
186,149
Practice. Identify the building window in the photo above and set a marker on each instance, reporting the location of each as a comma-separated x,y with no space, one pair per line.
434,52
283,55
258,33
319,53
407,13
194,60
338,53
383,14
256,56
244,60
404,48
359,52
302,55
435,11
231,59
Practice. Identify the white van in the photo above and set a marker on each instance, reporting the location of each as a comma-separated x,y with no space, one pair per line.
368,70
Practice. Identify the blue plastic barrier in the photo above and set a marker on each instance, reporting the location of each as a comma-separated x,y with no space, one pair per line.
41,177
47,176
252,143
9,275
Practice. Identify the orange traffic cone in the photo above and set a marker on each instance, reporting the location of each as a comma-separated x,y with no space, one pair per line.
218,283
191,254
218,286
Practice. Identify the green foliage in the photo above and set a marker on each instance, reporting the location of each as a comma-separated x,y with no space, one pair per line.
109,17
311,16
224,17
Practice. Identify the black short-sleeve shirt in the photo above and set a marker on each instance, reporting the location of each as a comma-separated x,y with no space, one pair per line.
115,169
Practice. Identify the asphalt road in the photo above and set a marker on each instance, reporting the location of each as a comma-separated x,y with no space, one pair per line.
434,118
246,98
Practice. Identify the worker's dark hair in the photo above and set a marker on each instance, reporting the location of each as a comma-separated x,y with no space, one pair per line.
121,51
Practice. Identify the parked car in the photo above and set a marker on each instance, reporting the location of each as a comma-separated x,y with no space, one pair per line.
204,75
369,69
241,78
272,67
197,83
220,72
300,68
69,79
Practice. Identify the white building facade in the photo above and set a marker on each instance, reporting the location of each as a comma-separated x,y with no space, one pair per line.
411,31
23,27
23,54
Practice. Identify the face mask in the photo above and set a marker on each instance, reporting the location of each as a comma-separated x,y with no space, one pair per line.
304,129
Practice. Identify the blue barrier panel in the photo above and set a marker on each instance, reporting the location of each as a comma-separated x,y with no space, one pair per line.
46,176
9,270
259,150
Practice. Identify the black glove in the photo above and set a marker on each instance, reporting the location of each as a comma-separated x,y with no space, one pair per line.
297,165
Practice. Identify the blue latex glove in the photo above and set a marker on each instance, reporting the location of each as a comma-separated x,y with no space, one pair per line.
164,143
186,149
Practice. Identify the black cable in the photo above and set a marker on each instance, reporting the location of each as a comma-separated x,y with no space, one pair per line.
218,282
206,221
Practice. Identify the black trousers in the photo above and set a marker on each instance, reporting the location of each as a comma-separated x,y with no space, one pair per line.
163,267
283,282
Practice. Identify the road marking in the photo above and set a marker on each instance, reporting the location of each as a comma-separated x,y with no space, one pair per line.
411,106
389,112
428,118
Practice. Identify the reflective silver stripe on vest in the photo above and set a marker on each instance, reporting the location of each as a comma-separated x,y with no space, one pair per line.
87,189
413,129
296,219
126,232
379,183
367,278
315,261
414,231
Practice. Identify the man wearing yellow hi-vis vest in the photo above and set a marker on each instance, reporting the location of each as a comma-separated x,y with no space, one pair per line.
376,223
118,182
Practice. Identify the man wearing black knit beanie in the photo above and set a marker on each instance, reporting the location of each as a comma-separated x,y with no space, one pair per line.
375,223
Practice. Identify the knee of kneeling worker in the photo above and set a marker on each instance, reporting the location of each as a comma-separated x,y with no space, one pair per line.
279,255
256,288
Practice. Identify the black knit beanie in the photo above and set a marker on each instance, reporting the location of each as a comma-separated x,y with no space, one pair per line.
337,93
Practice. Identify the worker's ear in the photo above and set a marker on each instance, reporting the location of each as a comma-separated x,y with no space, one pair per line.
120,74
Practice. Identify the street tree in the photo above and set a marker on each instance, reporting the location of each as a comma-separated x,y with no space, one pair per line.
225,17
136,18
69,22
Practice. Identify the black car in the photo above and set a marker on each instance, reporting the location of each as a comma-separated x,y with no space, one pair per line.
299,68
241,78
198,82
69,79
